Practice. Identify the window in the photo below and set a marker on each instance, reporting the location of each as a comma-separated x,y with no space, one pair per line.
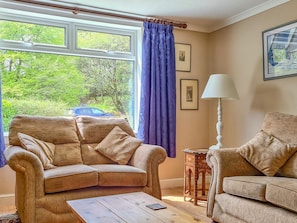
51,65
32,33
89,40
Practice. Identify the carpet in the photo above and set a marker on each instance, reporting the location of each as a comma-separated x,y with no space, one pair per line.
10,218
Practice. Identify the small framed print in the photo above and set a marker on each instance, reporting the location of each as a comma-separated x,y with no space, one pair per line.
189,94
183,57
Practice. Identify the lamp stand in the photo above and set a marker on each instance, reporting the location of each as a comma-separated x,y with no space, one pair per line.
219,127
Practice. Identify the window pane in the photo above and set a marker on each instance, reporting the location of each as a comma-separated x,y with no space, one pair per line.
103,41
32,33
49,85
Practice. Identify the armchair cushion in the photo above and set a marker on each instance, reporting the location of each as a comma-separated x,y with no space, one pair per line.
289,169
118,145
43,150
252,187
266,153
283,193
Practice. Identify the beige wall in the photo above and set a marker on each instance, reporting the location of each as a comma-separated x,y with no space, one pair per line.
7,177
191,125
235,50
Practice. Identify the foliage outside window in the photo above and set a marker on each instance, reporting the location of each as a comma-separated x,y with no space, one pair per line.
32,33
108,42
42,74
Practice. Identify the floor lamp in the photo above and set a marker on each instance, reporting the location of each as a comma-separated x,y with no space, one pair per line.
219,86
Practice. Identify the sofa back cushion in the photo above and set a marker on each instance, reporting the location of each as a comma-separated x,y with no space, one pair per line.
92,131
283,126
60,131
90,156
56,130
290,168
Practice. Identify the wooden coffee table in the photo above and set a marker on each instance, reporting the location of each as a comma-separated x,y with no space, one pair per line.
129,207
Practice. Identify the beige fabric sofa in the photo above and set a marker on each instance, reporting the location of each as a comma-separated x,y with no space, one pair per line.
241,193
79,170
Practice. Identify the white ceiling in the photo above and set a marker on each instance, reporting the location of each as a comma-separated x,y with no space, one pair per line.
200,15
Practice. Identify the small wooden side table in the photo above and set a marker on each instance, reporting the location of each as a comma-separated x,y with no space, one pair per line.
195,164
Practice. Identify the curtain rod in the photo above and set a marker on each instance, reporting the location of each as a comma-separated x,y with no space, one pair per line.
76,10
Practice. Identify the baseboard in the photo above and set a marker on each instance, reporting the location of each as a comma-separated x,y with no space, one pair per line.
169,183
2,196
7,200
179,182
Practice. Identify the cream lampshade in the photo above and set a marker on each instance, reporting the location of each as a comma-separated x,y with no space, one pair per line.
219,86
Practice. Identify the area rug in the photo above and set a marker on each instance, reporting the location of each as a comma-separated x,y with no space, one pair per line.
10,218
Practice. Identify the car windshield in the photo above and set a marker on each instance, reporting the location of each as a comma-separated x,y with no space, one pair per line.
97,111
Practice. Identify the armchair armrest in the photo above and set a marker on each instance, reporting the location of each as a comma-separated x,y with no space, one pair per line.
29,171
148,157
225,163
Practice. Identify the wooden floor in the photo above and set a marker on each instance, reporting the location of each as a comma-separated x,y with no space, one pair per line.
7,210
172,196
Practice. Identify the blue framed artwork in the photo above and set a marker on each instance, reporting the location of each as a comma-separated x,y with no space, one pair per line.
280,51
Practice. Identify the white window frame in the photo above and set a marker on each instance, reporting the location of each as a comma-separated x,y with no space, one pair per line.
22,12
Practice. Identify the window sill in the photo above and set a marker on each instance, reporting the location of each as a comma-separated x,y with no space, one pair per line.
6,141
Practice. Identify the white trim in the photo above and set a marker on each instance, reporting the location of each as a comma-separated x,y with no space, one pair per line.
71,23
6,200
6,141
7,195
239,17
174,182
70,27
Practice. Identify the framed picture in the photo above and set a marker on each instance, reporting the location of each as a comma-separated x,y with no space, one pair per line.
280,51
189,94
183,57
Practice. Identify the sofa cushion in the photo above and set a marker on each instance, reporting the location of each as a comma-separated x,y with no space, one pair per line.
252,187
289,169
69,177
120,175
95,129
118,146
90,156
234,209
43,150
266,153
67,154
56,130
283,193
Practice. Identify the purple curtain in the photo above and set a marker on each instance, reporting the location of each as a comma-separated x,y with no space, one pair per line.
157,118
2,144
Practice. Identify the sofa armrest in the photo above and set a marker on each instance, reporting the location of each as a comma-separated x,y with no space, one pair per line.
29,171
225,162
148,157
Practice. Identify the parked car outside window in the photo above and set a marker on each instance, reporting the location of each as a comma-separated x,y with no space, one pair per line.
88,111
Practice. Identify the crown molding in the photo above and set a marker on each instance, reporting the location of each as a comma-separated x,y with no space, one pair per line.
208,29
239,17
